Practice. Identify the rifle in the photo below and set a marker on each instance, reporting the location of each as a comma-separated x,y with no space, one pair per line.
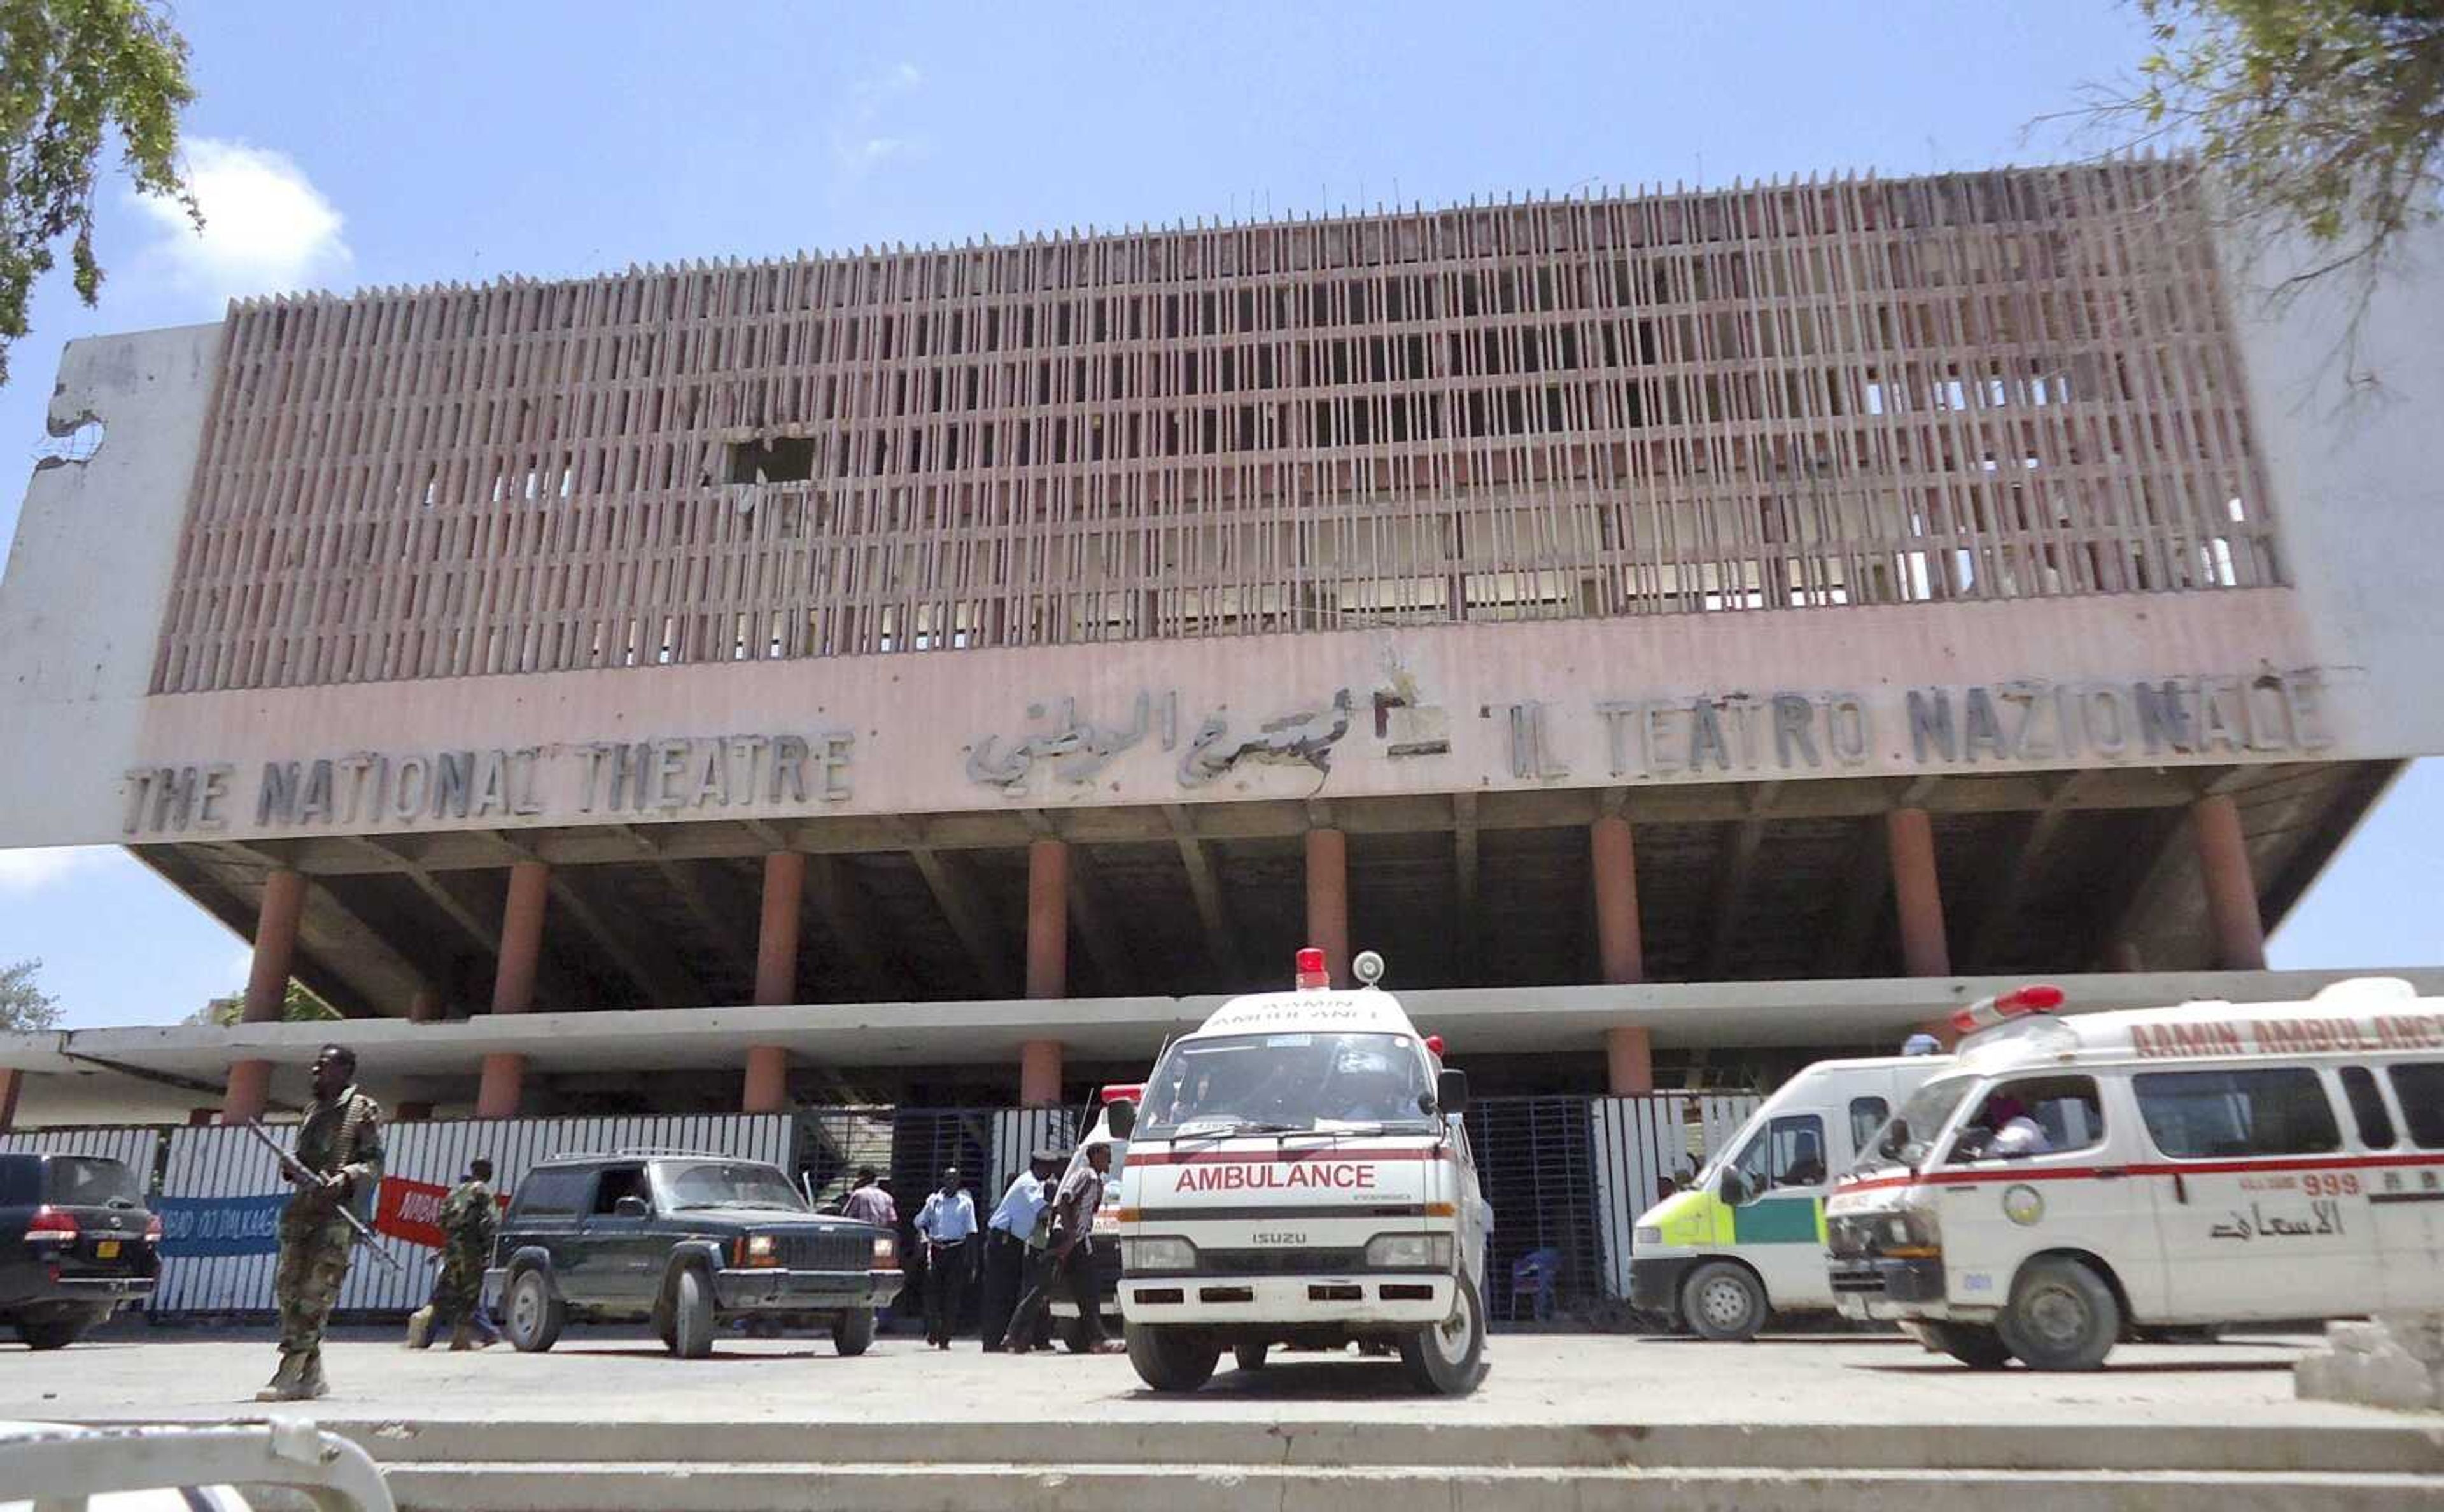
295,1171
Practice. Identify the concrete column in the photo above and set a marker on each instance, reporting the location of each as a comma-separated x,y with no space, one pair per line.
1047,919
266,986
1629,1057
776,976
1039,1073
768,1079
1614,861
12,1086
2232,893
412,1112
1916,894
1327,900
425,1007
522,916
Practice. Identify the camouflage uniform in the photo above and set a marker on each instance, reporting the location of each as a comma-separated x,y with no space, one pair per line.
470,1219
341,1135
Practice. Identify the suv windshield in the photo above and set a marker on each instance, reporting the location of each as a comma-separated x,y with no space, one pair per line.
1905,1137
1286,1082
83,1181
727,1184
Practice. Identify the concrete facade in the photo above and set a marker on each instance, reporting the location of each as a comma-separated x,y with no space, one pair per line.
1808,581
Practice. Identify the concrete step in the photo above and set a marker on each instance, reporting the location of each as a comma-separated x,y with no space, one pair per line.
2408,1447
699,1486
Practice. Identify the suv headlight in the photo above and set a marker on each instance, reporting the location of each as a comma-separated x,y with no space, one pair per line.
886,1253
1168,1253
759,1249
1651,1234
1409,1252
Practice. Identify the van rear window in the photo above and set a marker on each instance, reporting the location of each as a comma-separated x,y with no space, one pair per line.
2420,1088
2210,1115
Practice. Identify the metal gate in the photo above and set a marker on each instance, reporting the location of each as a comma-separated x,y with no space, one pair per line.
1567,1177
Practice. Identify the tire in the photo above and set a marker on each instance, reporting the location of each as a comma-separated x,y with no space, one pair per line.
1448,1357
1979,1348
1171,1358
2179,1334
56,1332
535,1316
1722,1302
2062,1317
853,1332
1249,1357
691,1315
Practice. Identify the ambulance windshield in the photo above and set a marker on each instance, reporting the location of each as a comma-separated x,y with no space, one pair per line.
1905,1138
1286,1082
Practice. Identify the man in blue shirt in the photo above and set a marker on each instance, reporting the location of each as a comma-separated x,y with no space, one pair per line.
947,1223
1016,1226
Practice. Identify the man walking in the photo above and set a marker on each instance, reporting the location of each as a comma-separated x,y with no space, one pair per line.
340,1148
470,1220
948,1222
869,1203
1066,1263
1015,1229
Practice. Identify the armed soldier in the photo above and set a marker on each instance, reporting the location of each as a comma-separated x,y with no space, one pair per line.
470,1220
337,1172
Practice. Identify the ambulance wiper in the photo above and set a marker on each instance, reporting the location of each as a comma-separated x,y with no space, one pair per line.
1241,1127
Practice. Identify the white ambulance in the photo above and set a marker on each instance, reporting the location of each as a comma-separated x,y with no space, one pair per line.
1299,1174
1746,1237
2070,1181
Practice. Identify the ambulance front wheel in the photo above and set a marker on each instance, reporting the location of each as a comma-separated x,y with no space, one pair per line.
1724,1301
1980,1349
1173,1358
1249,1357
1448,1358
2063,1316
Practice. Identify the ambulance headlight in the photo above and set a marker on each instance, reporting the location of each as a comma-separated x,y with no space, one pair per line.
1409,1252
1166,1253
1651,1234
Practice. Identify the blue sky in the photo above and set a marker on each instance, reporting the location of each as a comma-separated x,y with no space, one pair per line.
359,144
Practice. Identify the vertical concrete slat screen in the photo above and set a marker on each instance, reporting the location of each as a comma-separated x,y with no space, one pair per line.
1991,386
138,1148
1018,1133
226,1162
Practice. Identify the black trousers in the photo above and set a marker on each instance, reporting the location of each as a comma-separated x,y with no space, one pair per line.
946,1288
1004,1269
1070,1272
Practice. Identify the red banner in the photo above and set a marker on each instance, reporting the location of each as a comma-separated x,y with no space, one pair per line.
412,1210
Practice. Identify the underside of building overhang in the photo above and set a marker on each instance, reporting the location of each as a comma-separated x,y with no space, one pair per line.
2058,872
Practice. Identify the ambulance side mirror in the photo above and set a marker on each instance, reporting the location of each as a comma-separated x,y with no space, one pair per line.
1450,1093
1123,1117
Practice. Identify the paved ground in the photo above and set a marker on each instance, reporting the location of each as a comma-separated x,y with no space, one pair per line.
1545,1378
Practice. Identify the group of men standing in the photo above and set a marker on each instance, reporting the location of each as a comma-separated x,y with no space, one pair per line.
1041,1237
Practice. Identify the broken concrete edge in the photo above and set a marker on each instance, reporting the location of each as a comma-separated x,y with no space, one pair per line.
2392,1360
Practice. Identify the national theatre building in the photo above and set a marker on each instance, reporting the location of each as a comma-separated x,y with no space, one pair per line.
1686,632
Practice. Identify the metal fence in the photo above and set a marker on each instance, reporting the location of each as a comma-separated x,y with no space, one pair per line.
1566,1175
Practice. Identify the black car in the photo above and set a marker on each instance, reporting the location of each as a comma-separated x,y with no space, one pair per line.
690,1243
76,1244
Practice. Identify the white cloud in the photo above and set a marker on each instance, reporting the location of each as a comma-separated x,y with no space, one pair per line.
24,872
860,144
267,229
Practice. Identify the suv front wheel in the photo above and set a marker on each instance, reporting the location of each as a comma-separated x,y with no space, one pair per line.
536,1316
691,1315
853,1332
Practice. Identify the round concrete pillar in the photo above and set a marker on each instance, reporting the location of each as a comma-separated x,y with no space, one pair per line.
776,934
424,1007
1613,859
1918,894
1047,919
1328,899
503,1083
768,1079
521,936
250,1091
1039,1073
12,1086
2232,892
1629,1058
266,986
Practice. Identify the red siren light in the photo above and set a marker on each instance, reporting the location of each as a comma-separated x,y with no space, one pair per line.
1312,974
2037,997
1129,1094
1435,1046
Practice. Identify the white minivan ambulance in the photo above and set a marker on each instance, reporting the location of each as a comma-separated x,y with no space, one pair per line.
2068,1181
1299,1174
1746,1237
